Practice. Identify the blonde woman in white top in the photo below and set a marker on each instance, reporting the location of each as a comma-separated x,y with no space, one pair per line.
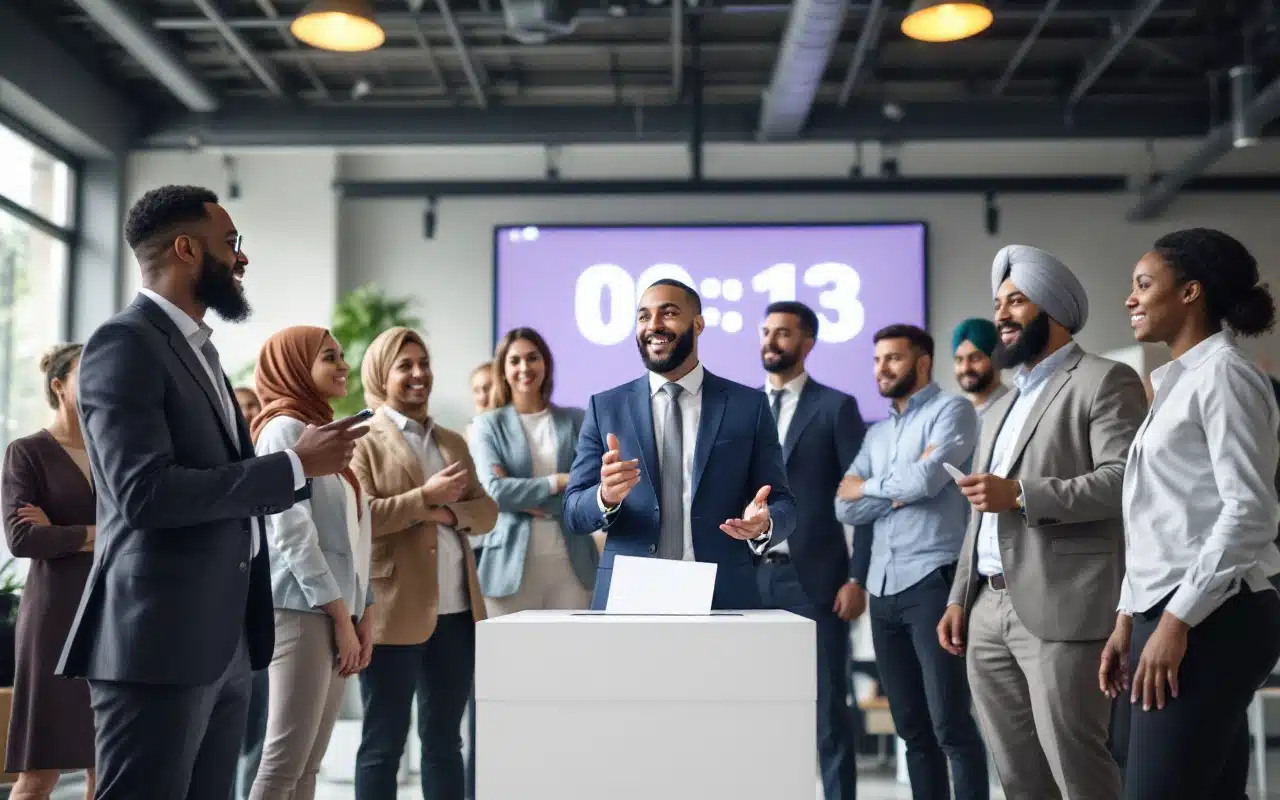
320,551
1199,623
523,451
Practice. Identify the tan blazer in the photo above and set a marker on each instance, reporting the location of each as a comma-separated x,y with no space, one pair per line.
1064,560
405,586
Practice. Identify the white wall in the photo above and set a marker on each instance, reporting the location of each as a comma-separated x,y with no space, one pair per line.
303,244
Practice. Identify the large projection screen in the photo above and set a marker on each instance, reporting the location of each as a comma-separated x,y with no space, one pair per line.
578,286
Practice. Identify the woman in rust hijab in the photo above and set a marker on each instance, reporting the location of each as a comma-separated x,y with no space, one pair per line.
426,501
320,567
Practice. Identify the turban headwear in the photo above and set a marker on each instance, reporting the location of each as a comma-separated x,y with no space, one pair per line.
1045,281
980,332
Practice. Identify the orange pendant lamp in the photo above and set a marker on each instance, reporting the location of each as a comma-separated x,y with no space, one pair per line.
345,26
939,21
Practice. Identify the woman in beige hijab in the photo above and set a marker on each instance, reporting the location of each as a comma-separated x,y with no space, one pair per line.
425,500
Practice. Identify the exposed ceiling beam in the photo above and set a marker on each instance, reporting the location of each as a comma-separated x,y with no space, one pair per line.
264,72
1156,197
262,124
867,39
138,38
1025,47
469,66
269,9
807,43
1121,34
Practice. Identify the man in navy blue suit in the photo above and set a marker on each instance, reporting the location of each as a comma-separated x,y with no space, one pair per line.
821,430
680,464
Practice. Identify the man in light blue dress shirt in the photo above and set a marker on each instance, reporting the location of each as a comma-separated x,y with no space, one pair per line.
898,484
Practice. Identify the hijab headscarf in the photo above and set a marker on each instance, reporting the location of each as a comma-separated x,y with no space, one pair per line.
981,333
1045,281
285,386
378,359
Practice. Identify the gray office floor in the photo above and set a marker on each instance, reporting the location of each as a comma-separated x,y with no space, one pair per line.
872,785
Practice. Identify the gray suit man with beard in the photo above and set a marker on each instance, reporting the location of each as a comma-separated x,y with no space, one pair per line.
177,608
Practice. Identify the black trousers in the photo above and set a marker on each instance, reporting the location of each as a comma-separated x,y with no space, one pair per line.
440,672
157,742
837,741
928,692
1197,746
255,734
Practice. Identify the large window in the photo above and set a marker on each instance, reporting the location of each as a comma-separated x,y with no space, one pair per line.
37,191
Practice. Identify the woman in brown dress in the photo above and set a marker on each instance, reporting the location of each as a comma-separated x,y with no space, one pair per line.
48,505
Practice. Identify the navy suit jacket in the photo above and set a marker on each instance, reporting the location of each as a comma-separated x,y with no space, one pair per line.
822,440
737,452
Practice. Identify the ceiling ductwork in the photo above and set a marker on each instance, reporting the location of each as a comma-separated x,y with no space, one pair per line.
812,30
540,21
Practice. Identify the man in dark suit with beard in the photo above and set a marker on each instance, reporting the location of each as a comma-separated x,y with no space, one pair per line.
821,430
178,609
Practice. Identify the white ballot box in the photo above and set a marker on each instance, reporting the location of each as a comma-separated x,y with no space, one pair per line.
582,706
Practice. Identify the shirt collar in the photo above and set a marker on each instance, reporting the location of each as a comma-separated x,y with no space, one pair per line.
1193,358
691,382
190,328
794,386
1027,379
916,400
405,424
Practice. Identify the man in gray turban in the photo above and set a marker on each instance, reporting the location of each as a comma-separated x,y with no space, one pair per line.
1045,281
1038,580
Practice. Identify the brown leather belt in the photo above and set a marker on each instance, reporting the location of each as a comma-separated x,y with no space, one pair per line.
996,582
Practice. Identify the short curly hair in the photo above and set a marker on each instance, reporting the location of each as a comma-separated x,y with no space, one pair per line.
160,210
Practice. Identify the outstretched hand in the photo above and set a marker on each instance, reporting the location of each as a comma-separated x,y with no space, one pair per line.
755,518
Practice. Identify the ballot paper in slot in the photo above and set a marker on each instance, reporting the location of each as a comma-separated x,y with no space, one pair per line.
660,586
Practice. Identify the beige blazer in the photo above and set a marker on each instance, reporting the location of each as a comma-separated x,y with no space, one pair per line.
404,543
1064,560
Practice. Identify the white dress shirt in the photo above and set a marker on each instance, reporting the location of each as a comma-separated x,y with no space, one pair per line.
1029,383
690,401
451,560
1200,510
197,333
790,392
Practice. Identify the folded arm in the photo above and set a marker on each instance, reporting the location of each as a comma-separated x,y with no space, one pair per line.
27,539
1115,414
953,436
512,495
393,513
476,513
865,510
122,407
1240,427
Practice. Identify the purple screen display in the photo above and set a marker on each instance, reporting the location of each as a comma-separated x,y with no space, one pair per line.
578,287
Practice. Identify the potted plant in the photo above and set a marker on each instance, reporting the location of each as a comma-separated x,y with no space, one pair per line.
359,317
10,589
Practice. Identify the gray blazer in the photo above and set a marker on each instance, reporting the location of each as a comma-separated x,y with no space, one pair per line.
312,562
497,439
1064,559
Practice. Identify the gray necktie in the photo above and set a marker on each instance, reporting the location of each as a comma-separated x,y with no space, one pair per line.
775,403
671,503
210,354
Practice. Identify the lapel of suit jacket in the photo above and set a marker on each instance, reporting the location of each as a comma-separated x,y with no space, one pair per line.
640,415
562,420
713,403
403,455
187,355
1053,385
519,458
806,407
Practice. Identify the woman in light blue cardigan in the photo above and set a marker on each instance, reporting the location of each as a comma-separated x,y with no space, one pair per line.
523,450
320,552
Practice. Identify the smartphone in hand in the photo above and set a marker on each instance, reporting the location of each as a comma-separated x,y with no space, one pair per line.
952,471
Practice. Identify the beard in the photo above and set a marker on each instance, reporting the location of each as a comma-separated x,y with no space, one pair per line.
975,382
902,387
784,363
1028,346
217,290
680,350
